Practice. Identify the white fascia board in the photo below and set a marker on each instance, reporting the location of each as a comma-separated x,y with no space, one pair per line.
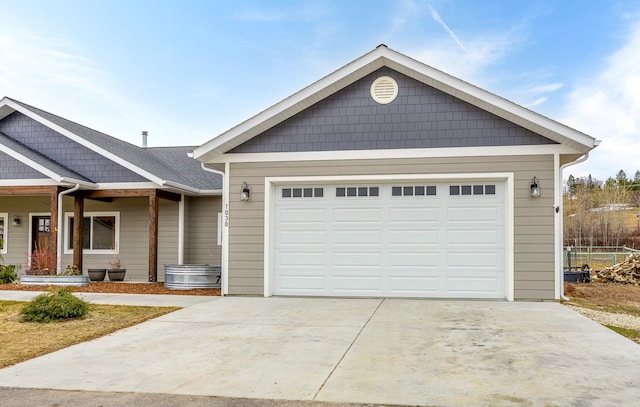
211,192
398,153
179,186
73,181
105,153
28,182
127,185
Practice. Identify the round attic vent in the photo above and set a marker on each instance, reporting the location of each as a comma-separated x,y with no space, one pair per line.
384,90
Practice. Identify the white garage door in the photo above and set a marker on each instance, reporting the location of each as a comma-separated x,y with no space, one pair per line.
418,239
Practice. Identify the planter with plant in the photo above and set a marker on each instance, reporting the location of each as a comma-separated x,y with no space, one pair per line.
116,272
42,262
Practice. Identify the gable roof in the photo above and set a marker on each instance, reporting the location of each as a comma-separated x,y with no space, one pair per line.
166,170
372,61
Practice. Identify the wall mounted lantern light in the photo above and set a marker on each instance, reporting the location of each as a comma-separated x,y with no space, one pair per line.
535,188
246,192
16,220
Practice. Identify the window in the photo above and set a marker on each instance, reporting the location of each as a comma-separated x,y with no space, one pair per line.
414,190
357,191
305,192
101,232
472,189
3,232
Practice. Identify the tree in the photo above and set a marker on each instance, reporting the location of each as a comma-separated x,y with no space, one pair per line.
571,185
621,178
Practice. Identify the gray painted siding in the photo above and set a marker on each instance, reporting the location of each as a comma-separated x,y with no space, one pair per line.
64,151
134,241
420,117
18,236
533,218
201,230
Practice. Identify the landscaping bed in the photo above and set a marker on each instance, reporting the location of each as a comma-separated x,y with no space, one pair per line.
616,306
119,288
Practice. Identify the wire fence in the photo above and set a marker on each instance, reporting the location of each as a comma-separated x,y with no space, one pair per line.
596,257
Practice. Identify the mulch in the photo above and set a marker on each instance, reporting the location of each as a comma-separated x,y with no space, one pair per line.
119,288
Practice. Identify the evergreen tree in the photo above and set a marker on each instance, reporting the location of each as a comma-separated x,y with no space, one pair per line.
621,178
571,185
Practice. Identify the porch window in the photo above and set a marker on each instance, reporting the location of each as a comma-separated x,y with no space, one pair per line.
101,232
3,232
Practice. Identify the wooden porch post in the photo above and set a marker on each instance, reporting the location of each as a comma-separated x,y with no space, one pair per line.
78,230
53,197
153,236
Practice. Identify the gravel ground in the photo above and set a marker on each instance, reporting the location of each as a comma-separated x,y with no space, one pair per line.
609,318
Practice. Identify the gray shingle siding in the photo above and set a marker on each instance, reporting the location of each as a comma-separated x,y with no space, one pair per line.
64,151
420,117
14,169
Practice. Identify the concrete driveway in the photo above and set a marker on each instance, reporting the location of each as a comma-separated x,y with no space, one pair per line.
411,352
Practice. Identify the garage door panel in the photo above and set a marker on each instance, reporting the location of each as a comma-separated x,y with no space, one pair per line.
412,259
469,237
357,237
413,237
356,259
302,258
302,237
414,286
413,215
307,283
357,215
474,287
301,216
367,285
471,259
473,214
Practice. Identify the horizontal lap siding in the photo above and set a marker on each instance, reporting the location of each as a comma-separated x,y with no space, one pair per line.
201,230
533,218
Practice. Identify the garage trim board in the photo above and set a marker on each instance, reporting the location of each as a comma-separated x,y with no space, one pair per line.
504,182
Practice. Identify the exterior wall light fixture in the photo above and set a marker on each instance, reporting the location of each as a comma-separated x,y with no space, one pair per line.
246,192
16,220
535,188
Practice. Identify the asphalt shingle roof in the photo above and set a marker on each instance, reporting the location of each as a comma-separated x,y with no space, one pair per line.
167,163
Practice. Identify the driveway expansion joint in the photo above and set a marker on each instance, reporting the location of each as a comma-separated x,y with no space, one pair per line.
348,349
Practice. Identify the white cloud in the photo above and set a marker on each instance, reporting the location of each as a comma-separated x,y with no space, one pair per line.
49,73
444,25
607,106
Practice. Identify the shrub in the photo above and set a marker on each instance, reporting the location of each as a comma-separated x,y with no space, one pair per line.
59,303
8,273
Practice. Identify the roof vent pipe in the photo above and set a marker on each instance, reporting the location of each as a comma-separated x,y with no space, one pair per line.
144,138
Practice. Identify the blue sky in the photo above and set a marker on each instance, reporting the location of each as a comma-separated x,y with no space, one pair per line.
188,70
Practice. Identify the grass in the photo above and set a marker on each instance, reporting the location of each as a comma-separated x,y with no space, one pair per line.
629,333
21,341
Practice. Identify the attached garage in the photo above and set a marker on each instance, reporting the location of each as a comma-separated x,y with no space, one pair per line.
418,238
389,178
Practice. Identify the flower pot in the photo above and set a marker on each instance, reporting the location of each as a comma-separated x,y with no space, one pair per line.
116,274
97,274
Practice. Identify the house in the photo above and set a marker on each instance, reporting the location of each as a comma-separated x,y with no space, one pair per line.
149,206
391,178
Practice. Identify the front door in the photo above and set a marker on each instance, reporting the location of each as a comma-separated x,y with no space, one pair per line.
40,232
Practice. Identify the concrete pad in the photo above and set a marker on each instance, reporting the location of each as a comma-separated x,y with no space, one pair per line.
262,348
485,353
